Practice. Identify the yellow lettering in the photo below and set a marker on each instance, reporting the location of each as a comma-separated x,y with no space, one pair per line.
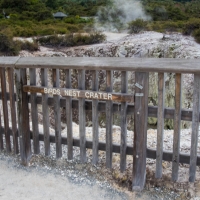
110,96
45,90
74,93
50,91
66,92
105,95
91,94
87,95
70,93
101,95
54,91
96,95
58,92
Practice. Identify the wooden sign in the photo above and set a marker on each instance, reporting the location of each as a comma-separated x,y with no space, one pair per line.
64,92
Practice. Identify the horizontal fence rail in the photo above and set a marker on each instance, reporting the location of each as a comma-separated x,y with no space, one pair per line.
47,82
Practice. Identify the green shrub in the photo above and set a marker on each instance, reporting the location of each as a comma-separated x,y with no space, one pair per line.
137,26
7,46
190,26
70,40
43,15
73,27
196,35
24,32
52,40
26,45
46,31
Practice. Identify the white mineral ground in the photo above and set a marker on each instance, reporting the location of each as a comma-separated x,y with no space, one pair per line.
146,44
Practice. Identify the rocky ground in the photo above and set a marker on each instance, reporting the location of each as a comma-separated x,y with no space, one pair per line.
147,44
182,189
49,178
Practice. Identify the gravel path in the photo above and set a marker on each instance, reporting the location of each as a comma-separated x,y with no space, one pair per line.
34,183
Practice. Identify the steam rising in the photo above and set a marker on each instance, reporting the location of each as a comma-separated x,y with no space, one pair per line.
116,16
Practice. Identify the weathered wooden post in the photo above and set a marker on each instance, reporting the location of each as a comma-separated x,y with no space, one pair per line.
56,99
109,120
140,130
195,128
177,127
160,124
23,116
5,109
81,86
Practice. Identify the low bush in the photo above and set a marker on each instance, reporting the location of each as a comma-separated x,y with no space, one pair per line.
137,26
196,35
26,45
7,46
24,32
70,40
52,40
191,26
75,20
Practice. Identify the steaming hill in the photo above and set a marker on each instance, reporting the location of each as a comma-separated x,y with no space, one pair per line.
146,44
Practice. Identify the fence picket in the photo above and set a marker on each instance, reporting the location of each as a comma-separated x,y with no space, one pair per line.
23,116
177,127
45,111
5,109
160,124
124,89
57,115
195,128
69,117
81,86
140,109
34,113
140,130
95,122
109,120
1,135
13,110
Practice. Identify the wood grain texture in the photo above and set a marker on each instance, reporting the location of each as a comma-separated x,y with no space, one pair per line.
109,120
5,109
95,121
13,110
124,89
81,86
177,127
8,61
34,113
151,153
18,85
160,124
23,116
109,63
186,114
45,112
88,94
57,116
140,132
69,118
195,128
1,134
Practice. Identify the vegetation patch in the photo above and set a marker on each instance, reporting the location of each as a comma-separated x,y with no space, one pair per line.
70,40
137,26
7,46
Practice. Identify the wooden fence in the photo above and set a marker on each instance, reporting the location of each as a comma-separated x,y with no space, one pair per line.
26,97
